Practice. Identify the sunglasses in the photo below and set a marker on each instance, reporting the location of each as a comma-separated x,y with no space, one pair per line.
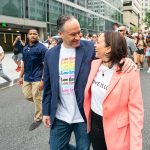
121,30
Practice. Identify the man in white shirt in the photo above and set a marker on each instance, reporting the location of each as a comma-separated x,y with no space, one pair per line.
4,76
66,70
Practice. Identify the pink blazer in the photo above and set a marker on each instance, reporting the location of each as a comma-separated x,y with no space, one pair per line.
122,109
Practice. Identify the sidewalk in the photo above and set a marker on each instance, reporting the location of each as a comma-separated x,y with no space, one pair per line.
9,68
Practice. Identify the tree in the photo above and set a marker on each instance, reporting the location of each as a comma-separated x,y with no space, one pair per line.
147,18
134,29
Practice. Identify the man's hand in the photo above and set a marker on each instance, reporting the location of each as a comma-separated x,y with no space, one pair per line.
18,38
128,65
20,81
46,121
41,85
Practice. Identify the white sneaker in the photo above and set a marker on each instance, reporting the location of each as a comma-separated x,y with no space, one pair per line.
11,83
148,71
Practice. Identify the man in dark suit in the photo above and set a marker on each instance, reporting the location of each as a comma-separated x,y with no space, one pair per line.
66,70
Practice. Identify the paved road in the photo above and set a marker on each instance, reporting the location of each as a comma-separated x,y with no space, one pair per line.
16,116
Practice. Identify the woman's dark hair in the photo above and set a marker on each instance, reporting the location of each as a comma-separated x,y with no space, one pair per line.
62,20
118,47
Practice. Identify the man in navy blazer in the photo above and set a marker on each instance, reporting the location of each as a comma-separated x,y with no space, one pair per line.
66,70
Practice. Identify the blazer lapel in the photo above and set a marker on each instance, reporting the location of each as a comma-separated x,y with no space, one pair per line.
56,65
78,60
115,78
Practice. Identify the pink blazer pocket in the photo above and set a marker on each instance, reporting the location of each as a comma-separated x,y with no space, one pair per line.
122,122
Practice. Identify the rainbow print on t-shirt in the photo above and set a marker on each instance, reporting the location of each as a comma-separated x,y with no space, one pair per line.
67,74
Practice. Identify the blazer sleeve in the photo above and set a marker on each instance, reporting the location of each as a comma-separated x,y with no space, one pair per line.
136,113
47,90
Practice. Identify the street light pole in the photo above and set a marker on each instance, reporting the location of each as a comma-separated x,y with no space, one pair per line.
138,21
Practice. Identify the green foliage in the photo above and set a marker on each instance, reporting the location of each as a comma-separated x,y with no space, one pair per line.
147,18
134,29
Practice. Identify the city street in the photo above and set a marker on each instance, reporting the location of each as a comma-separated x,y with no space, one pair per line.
77,27
17,115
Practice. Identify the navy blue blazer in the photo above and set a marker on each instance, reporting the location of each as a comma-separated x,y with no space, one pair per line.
85,53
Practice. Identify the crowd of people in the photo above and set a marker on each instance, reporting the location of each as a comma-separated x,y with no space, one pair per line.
138,45
87,85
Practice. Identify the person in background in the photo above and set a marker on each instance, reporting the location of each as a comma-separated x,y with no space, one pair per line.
18,45
49,41
4,76
32,73
82,36
141,45
94,38
148,57
113,103
135,35
115,27
148,38
89,37
130,43
53,43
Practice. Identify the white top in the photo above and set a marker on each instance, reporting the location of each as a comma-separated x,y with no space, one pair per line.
67,110
1,51
99,87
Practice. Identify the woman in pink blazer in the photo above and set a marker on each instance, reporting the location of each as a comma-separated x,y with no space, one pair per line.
113,101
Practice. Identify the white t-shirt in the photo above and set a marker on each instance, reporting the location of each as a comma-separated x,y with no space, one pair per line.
99,87
67,110
1,51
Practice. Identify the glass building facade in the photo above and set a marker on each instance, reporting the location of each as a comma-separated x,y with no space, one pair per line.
93,15
30,9
110,11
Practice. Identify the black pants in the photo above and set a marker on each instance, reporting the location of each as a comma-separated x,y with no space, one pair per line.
97,133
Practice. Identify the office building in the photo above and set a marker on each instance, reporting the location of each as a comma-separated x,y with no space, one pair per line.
20,15
132,13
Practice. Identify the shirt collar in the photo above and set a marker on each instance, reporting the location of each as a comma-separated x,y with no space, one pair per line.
34,45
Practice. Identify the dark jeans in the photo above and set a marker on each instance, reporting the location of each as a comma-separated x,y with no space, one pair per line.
60,135
97,133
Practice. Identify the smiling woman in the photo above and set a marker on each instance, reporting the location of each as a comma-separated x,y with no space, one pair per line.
111,48
119,115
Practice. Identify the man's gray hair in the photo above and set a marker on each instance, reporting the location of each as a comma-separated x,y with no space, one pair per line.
62,20
123,26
